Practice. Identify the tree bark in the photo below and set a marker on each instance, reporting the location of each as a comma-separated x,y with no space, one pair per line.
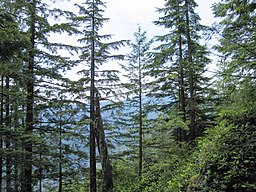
8,137
1,132
16,146
182,100
93,181
140,116
60,155
192,115
107,185
28,143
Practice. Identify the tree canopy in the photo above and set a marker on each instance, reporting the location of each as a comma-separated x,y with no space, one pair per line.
152,119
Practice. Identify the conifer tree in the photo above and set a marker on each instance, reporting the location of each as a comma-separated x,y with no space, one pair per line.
236,65
11,43
235,30
135,73
96,52
36,64
28,144
62,143
184,78
229,147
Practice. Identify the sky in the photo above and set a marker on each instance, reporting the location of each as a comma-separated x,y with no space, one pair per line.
126,15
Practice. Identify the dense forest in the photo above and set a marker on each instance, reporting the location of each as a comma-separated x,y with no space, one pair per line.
159,122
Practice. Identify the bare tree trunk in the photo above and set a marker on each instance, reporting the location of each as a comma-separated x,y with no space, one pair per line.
60,156
15,160
1,132
93,181
8,137
107,185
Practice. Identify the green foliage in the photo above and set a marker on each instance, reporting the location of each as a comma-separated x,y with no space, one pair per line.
125,177
161,157
179,65
176,122
158,169
233,166
233,169
12,40
156,175
76,186
224,160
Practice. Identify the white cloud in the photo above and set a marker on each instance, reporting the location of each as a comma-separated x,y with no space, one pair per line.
205,11
125,15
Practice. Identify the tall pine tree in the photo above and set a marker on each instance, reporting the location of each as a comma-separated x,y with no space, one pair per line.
180,65
36,66
135,91
95,52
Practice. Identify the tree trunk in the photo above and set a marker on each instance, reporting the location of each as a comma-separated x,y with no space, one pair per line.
60,156
92,138
16,146
1,132
140,116
182,101
28,143
40,175
93,181
8,135
191,76
107,185
40,169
